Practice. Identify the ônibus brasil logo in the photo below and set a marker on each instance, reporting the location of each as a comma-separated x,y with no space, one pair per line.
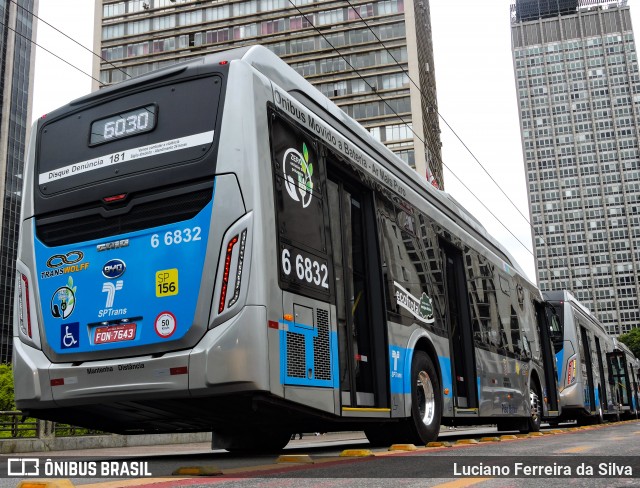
297,171
421,309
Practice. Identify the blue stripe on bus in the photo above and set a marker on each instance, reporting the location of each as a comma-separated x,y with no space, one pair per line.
397,368
74,292
560,364
400,370
308,333
445,371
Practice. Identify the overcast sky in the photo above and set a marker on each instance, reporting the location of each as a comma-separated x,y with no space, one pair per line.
476,97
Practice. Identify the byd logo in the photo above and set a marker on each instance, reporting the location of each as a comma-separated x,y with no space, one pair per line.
114,269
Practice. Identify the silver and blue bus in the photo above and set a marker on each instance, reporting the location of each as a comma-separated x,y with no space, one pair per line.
217,246
623,368
587,363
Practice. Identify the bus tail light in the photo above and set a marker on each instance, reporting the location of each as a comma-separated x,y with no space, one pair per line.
571,371
236,288
227,269
24,304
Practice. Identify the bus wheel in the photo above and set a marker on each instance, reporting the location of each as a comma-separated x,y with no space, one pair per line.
536,409
426,400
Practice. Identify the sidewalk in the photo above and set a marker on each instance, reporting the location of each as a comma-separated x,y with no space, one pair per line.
71,445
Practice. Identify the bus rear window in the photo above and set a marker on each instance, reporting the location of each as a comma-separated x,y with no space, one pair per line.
164,125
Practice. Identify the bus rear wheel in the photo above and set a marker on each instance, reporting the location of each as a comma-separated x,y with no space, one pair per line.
535,419
426,400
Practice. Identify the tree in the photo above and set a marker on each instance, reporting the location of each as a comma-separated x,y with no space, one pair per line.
6,388
632,340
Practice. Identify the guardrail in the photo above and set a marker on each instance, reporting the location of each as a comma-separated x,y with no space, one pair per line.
14,424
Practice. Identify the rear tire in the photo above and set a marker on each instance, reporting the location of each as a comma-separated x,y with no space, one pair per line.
426,401
535,419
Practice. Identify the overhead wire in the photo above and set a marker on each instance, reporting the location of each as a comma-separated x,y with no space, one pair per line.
50,52
355,70
406,124
69,37
535,231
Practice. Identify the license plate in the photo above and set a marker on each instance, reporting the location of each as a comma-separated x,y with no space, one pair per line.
114,333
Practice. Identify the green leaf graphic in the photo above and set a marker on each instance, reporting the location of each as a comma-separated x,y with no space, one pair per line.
310,168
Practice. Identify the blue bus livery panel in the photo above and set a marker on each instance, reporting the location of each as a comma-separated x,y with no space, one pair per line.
135,289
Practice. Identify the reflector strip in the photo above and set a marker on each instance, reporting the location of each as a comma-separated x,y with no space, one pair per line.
571,371
115,198
57,382
273,324
178,370
225,276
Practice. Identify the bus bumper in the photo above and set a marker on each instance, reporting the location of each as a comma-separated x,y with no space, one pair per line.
231,357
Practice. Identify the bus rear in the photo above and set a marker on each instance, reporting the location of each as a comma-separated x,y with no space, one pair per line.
130,247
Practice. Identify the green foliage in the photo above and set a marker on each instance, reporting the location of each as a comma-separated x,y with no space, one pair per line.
632,340
6,388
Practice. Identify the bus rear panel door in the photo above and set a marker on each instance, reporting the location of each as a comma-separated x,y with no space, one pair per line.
358,296
461,340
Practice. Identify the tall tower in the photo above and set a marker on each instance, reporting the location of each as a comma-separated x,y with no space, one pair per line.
16,83
324,40
576,72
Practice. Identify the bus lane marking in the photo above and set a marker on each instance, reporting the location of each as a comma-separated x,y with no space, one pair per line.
461,483
577,449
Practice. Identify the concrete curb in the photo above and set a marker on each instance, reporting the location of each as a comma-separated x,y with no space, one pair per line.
8,446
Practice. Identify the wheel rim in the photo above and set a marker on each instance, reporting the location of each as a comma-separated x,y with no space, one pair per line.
535,406
426,398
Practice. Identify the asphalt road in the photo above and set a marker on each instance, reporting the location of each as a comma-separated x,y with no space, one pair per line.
600,456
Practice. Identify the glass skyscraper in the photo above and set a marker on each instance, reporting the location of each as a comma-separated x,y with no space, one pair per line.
16,83
576,72
382,40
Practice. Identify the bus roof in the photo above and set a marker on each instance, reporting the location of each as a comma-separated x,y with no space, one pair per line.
267,63
274,68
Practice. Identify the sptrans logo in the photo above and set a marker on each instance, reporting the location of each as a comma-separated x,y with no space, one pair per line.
114,269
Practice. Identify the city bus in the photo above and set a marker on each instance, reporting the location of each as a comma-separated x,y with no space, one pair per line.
216,246
584,354
623,368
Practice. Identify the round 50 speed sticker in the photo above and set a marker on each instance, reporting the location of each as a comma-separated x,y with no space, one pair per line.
165,324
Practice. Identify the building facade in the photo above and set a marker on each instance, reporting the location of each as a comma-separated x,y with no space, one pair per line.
576,73
17,29
374,59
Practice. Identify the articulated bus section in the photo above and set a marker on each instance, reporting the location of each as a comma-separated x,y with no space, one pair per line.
217,246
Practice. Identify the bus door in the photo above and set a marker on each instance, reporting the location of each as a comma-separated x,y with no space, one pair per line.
602,391
359,300
548,326
460,335
587,367
620,375
634,389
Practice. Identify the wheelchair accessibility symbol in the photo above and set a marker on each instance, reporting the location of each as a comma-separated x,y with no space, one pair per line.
70,335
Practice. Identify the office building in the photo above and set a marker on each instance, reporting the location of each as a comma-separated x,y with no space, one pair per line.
17,29
359,56
578,86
